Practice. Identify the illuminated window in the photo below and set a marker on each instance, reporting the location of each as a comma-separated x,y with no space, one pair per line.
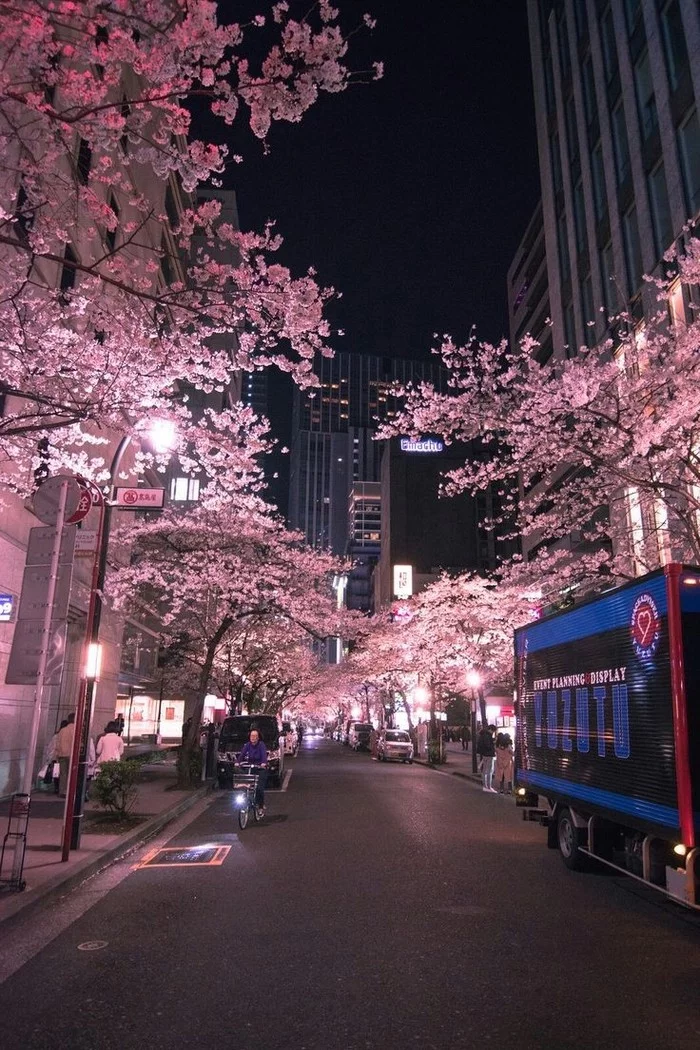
636,527
184,490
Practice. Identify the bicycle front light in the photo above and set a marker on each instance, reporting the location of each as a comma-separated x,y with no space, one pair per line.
240,800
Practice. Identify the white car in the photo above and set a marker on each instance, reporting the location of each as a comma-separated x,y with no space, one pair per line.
394,743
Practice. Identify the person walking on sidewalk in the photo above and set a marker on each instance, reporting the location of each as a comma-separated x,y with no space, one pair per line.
110,747
464,737
486,749
504,763
64,749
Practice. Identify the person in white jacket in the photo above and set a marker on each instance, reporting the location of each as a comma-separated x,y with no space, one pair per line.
110,747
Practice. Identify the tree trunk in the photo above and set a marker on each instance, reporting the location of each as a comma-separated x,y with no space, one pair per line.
187,776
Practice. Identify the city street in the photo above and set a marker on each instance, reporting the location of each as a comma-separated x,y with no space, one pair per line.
377,906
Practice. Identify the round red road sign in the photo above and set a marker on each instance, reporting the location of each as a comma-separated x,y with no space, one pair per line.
84,506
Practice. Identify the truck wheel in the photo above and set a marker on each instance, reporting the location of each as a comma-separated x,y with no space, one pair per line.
569,840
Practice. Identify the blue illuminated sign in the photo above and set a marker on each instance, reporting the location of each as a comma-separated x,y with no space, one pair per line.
7,605
424,445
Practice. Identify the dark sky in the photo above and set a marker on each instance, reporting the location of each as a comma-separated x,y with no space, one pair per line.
409,195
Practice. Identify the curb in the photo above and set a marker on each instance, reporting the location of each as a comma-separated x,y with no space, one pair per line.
60,885
451,772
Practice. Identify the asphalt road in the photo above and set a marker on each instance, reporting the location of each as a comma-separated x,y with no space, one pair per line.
376,906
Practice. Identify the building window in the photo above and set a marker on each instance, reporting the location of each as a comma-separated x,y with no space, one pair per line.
589,100
557,177
84,162
609,46
689,149
633,251
676,306
600,201
579,217
660,210
620,146
607,270
563,41
675,48
646,103
564,263
184,490
68,271
570,330
633,14
571,129
588,310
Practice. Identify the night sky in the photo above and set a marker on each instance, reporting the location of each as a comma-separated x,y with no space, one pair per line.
409,195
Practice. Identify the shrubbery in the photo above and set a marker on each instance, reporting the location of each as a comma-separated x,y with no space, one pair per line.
115,788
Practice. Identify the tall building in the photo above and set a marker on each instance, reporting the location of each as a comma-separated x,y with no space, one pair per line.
617,93
423,533
332,438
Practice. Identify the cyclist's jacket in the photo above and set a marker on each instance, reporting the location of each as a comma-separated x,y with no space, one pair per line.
256,754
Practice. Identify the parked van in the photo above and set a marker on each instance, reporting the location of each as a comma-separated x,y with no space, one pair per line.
358,735
235,732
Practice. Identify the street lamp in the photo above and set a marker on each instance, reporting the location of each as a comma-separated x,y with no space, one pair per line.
162,436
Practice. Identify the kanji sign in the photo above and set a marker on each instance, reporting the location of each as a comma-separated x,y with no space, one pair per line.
139,499
84,505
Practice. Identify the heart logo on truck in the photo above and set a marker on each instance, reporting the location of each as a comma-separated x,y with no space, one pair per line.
645,626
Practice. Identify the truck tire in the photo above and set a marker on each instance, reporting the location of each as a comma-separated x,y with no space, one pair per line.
569,840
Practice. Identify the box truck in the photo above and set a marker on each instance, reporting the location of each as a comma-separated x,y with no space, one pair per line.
607,751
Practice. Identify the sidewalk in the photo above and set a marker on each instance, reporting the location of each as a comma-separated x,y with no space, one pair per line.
158,800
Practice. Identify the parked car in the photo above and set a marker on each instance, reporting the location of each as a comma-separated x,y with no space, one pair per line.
394,743
291,740
358,735
235,732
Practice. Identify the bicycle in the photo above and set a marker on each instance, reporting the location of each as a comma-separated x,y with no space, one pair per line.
245,786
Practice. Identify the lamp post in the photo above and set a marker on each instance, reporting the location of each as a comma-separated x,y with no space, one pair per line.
162,435
474,681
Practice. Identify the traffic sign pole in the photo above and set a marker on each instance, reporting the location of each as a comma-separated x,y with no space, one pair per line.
28,781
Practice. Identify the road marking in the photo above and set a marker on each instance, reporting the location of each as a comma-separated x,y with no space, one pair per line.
92,946
287,778
184,857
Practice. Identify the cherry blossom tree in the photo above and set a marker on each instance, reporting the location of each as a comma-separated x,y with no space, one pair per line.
218,570
116,284
605,444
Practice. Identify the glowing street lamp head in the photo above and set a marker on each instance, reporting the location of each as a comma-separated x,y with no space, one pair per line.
162,434
474,679
420,694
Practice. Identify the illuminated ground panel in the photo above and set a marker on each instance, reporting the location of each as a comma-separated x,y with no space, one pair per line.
184,857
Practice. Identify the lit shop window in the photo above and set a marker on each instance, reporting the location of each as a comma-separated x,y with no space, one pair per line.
184,490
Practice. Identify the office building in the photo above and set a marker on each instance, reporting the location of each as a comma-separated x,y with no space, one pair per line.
617,92
424,534
332,438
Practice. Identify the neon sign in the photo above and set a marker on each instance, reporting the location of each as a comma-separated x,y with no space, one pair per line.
424,445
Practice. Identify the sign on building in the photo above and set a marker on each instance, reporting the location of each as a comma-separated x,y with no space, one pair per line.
139,499
403,581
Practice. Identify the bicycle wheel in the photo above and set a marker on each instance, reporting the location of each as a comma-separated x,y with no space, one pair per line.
243,817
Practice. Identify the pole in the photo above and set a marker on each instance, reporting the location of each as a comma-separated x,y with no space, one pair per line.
81,733
28,781
475,768
90,691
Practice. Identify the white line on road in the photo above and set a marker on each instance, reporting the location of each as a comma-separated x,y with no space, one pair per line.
287,778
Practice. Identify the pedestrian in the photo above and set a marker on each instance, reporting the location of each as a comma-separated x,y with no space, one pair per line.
90,766
50,771
110,747
64,750
373,742
120,723
486,749
504,764
464,737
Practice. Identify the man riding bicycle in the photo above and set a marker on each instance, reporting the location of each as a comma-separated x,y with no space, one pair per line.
255,753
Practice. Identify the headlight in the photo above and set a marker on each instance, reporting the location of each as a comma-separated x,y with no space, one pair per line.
240,800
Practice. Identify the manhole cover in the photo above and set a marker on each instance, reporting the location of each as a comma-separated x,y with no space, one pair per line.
92,946
184,856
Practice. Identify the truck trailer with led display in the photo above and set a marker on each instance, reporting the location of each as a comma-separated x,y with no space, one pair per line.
608,729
